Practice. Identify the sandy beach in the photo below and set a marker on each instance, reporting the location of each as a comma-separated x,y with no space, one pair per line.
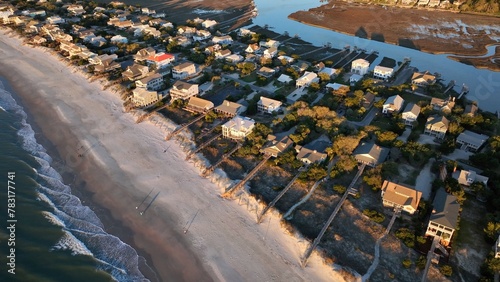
123,161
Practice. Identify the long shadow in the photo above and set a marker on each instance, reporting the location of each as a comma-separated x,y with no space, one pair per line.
408,43
378,37
361,32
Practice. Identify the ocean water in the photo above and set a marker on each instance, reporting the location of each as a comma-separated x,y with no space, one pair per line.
56,237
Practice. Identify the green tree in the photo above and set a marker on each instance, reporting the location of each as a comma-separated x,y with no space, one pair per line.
495,143
339,188
492,230
314,87
324,77
406,263
494,265
385,138
314,173
246,68
373,178
446,270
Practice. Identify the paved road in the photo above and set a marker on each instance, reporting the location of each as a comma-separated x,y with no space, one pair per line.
368,118
253,87
424,181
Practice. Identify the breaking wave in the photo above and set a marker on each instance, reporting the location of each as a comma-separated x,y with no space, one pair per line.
83,232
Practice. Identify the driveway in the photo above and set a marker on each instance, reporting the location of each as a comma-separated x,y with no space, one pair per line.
426,139
405,135
424,180
368,118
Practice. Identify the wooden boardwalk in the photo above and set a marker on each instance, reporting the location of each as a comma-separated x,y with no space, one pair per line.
229,193
178,130
316,241
277,198
210,169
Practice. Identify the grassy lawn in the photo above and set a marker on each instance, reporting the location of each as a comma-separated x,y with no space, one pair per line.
471,226
411,98
250,78
382,122
285,90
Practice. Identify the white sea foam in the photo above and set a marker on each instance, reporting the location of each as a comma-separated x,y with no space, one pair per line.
83,231
69,242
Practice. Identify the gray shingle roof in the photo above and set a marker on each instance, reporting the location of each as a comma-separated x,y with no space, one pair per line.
446,209
371,153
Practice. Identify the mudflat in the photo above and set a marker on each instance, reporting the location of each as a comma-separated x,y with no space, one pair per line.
463,35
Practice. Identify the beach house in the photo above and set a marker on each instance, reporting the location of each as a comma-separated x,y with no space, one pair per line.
183,90
393,104
230,109
199,105
135,72
444,217
467,177
370,154
209,24
268,105
183,70
306,79
144,54
313,152
445,105
410,114
471,141
367,100
399,196
470,110
276,146
153,81
238,128
160,60
436,126
383,73
266,72
223,40
360,66
221,54
118,39
423,79
252,48
201,35
142,97
106,65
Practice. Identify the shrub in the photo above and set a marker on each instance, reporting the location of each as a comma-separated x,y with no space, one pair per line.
421,262
339,189
406,263
421,240
446,270
374,215
407,236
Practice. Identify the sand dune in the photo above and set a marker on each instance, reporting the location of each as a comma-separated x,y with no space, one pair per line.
124,161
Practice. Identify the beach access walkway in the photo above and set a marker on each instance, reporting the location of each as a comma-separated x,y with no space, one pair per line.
374,264
275,200
229,193
316,241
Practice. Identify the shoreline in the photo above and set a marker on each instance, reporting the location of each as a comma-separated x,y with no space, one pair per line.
228,245
77,183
